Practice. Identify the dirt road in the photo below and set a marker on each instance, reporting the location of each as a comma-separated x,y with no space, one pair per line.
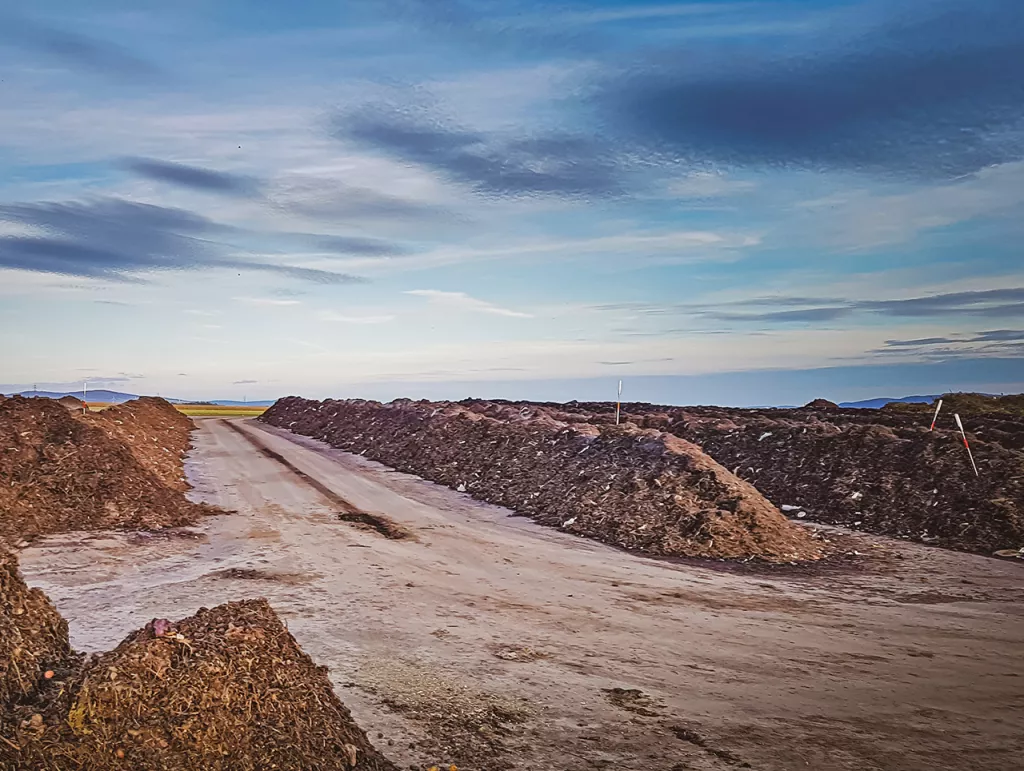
494,643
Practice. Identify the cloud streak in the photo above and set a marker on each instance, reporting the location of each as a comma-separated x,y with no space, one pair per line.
463,302
115,239
192,177
551,164
77,51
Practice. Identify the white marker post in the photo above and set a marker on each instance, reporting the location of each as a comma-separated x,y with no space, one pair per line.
964,435
618,404
936,415
85,397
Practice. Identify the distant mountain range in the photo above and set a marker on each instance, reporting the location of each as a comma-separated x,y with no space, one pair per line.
117,397
875,404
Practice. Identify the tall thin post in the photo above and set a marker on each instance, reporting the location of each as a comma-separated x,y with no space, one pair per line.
964,435
85,397
936,415
618,404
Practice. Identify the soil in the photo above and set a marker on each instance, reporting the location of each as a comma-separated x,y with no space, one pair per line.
62,471
905,662
635,488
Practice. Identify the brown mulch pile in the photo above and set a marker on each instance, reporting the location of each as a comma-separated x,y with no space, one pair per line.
881,471
155,432
33,636
61,471
634,488
225,690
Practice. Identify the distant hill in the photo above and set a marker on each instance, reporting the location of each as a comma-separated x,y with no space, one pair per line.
877,404
117,397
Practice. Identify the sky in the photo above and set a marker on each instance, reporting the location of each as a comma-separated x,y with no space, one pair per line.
742,203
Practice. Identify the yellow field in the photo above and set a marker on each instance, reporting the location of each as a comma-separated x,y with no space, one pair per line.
216,411
202,410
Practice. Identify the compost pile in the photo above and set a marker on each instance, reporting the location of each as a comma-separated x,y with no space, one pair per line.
33,636
227,689
157,434
62,471
635,488
881,471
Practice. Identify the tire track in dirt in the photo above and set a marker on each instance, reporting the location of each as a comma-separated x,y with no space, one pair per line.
348,511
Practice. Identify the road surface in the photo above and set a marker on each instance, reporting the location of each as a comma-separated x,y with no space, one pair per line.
488,641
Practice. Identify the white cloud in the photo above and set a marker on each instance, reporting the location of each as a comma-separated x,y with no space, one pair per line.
860,219
332,316
265,301
462,301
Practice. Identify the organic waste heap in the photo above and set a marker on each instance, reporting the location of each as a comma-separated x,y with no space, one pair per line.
881,471
635,488
227,689
62,470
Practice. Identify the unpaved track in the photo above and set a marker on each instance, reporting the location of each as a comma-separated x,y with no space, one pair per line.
919,666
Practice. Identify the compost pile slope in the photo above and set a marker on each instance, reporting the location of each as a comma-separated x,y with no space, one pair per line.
226,689
634,488
881,471
62,471
33,636
157,434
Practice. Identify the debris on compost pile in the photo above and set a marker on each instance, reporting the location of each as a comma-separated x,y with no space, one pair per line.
225,690
60,471
635,488
881,471
33,639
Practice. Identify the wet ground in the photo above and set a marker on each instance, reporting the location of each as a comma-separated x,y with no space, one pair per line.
461,634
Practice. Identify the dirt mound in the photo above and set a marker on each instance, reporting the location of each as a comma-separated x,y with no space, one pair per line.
631,487
881,471
155,432
72,402
33,636
821,404
226,689
60,472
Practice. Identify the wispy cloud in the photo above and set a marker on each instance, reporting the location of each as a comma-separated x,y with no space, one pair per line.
275,301
76,50
462,301
343,319
989,303
926,95
551,164
193,177
116,239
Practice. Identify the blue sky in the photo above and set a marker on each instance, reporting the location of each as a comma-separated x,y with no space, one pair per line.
741,202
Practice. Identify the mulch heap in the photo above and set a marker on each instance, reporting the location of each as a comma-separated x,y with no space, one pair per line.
33,635
157,434
227,689
62,471
880,471
635,488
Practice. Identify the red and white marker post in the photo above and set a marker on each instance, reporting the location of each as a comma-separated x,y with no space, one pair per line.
618,404
936,415
964,435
